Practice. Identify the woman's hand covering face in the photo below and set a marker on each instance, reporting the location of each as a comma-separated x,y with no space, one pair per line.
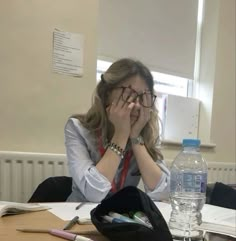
119,114
127,114
143,117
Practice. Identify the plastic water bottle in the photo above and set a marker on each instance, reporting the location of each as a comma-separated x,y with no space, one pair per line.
187,191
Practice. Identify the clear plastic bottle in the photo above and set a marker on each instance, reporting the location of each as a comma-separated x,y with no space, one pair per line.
187,191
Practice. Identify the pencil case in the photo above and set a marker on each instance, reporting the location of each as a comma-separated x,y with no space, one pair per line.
130,200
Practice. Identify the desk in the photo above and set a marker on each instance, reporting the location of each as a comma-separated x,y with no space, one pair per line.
46,220
42,219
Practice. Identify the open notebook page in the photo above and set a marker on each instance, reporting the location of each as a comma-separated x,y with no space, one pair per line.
66,211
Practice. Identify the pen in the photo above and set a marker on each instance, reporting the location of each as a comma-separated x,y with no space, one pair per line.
40,230
121,217
59,233
79,206
71,223
68,236
111,219
141,218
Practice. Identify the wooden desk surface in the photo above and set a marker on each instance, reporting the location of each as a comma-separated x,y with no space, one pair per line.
46,220
43,220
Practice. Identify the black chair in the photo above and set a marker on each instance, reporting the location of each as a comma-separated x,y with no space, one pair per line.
52,189
222,195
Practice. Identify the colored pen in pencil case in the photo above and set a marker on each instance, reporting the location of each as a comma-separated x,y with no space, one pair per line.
141,218
121,217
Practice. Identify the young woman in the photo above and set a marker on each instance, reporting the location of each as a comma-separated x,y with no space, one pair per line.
114,144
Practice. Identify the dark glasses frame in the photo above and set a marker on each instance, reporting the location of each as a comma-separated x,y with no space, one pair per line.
132,91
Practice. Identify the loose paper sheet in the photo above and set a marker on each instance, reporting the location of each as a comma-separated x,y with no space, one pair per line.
218,228
68,53
66,211
219,215
215,219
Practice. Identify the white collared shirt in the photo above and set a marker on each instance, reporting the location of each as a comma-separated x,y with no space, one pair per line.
88,183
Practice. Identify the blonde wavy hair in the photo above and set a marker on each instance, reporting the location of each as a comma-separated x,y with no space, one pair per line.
96,119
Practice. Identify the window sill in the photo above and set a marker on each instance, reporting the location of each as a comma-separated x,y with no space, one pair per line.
178,143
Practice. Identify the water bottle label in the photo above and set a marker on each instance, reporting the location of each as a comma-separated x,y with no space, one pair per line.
189,182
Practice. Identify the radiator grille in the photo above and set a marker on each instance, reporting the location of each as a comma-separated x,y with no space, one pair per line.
222,172
21,173
219,172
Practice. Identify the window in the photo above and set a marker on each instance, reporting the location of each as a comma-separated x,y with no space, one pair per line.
166,87
175,93
164,83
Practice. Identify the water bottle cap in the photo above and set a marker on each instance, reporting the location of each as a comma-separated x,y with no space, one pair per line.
191,142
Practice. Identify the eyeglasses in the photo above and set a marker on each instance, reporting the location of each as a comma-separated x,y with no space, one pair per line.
146,99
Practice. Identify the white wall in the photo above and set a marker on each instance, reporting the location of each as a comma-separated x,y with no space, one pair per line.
34,102
223,111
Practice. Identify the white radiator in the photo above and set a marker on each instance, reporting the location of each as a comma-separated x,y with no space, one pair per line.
21,172
224,172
